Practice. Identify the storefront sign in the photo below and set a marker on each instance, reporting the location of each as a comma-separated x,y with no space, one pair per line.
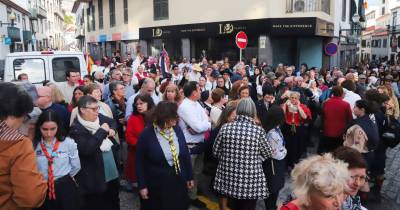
274,26
293,26
103,38
116,36
7,41
262,42
130,36
14,34
92,39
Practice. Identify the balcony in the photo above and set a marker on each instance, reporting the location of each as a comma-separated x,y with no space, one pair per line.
37,12
296,6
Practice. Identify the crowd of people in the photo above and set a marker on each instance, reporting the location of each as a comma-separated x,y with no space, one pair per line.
69,145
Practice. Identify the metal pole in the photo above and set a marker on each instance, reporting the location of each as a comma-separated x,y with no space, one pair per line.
240,55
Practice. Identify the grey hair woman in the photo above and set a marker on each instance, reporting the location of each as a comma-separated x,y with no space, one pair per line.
240,147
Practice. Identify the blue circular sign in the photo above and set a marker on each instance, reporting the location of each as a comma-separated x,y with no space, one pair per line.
331,49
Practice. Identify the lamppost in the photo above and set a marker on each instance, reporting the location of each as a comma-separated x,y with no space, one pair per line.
356,28
355,32
12,19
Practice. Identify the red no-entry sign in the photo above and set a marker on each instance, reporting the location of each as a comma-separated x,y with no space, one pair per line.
241,40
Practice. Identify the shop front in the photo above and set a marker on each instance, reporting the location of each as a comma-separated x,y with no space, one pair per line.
107,44
276,40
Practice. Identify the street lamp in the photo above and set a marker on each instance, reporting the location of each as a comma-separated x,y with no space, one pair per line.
12,18
356,27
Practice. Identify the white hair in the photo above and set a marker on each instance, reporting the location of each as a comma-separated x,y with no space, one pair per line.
323,174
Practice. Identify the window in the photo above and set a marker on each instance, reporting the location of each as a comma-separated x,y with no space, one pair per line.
88,19
100,5
363,43
125,11
93,18
160,9
112,12
61,65
344,10
383,10
384,43
394,21
34,67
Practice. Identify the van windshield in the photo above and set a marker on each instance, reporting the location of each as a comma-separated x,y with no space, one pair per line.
61,65
33,67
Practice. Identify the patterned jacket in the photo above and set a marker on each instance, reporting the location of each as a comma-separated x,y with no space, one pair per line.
241,147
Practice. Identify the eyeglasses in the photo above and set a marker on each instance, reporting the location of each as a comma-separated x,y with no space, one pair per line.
95,109
361,179
126,75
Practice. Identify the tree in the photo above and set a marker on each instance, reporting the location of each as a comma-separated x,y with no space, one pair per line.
68,20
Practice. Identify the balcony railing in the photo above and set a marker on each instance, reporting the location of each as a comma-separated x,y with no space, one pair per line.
294,6
37,12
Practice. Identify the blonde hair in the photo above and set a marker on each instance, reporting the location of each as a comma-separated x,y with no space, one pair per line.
173,87
324,174
56,93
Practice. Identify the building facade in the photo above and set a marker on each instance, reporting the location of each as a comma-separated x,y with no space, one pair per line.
48,18
289,31
15,30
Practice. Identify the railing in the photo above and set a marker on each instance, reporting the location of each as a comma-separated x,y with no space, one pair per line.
42,12
294,6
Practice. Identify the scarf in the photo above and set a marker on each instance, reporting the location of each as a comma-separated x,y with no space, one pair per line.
110,168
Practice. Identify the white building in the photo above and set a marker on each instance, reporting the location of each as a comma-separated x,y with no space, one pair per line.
49,18
15,30
290,31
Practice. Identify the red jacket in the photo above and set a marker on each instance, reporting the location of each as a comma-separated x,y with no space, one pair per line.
134,127
336,115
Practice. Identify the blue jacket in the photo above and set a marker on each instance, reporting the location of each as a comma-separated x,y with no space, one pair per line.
150,160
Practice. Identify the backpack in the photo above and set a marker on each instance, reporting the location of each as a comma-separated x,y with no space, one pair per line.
391,132
356,138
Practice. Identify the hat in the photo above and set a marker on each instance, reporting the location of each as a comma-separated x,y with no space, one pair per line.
204,95
226,71
271,75
362,76
215,73
197,68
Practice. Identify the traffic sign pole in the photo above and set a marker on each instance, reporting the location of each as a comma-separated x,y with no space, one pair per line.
241,42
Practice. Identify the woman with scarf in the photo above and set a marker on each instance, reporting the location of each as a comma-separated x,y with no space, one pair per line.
98,178
163,164
294,129
58,161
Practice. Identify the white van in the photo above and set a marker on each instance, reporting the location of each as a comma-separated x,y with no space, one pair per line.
46,65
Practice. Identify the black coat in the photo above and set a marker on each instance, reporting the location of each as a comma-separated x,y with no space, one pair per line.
262,111
91,177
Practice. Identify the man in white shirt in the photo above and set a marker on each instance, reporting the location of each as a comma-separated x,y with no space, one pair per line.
149,87
349,95
194,122
67,87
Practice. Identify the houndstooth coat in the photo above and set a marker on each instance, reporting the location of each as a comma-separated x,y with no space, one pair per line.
241,147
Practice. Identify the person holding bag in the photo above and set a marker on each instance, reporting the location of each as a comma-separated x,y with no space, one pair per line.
94,135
